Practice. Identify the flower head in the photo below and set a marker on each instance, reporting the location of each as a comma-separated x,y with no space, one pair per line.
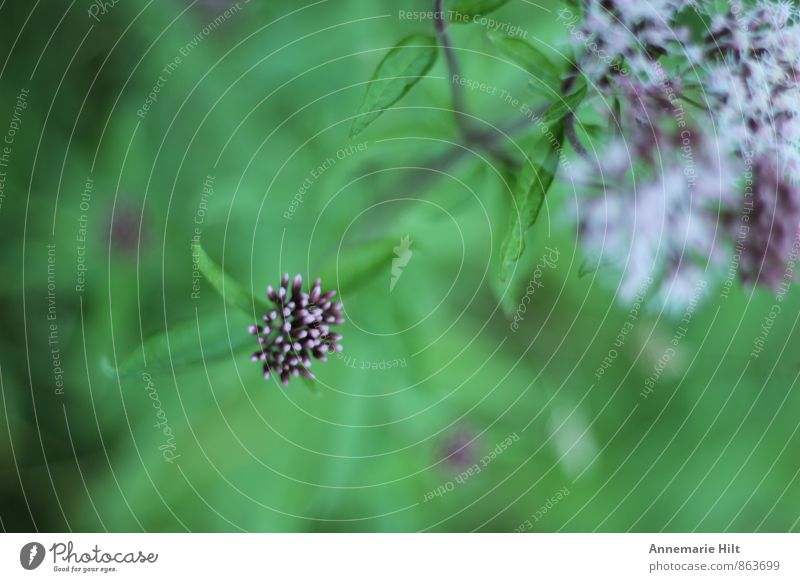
655,211
772,228
754,86
755,89
668,202
297,329
630,31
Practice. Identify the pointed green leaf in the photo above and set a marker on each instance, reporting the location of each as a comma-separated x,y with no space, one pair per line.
568,104
358,266
401,68
545,74
188,344
231,291
592,131
533,182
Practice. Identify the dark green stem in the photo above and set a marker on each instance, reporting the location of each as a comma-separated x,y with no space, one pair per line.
453,67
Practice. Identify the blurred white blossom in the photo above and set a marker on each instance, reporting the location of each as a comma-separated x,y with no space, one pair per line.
668,197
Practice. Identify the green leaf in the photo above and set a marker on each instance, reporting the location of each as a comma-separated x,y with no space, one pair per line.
615,121
545,74
593,131
566,105
586,269
575,5
355,267
463,11
208,338
591,265
533,182
231,291
214,337
312,386
401,68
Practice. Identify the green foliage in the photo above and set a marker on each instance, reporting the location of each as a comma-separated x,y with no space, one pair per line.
536,177
464,10
718,431
575,5
216,336
229,289
532,185
545,75
209,338
401,69
565,105
358,266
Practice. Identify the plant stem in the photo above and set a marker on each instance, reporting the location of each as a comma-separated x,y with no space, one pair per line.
453,68
459,102
486,140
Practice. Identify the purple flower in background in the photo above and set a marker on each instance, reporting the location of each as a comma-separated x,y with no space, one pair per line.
633,32
458,448
755,91
772,226
297,329
668,202
654,213
124,229
754,84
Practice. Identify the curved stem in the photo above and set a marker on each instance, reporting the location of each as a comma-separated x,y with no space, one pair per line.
486,140
459,102
453,67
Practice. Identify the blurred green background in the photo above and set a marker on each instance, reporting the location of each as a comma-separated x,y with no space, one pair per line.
432,380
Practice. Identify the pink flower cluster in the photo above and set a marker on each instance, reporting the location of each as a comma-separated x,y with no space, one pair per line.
702,172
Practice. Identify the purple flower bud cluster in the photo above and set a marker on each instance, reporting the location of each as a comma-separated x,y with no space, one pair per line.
297,329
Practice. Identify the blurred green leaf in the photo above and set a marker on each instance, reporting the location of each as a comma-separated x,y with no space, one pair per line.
533,182
465,10
356,267
401,68
574,5
312,385
615,120
545,75
587,269
566,105
188,344
231,291
593,131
